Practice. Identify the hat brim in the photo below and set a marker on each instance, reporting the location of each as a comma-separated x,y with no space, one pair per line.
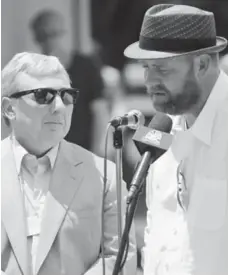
135,52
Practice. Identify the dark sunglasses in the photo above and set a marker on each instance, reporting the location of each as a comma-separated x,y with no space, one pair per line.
47,95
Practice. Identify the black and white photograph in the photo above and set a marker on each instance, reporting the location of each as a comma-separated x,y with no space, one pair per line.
114,137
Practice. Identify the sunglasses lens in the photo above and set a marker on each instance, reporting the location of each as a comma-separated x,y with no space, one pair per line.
69,96
44,96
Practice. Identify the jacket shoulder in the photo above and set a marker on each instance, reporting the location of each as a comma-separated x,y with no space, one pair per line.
88,157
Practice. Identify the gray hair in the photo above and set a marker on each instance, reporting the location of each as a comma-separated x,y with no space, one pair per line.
33,64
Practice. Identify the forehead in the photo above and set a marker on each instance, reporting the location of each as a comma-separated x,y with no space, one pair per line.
167,62
28,82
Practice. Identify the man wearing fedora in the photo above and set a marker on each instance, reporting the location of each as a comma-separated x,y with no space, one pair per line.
187,188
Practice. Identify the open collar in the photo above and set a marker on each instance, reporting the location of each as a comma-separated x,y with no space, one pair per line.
19,152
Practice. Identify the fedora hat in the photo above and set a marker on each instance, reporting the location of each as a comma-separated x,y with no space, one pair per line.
175,30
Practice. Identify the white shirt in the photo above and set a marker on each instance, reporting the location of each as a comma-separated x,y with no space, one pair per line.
34,176
190,237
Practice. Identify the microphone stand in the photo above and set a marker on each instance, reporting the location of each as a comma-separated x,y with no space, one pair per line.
118,145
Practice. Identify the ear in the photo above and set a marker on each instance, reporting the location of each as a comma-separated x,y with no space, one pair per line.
202,63
8,108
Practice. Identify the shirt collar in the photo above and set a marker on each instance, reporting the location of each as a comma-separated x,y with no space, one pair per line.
203,126
19,152
179,124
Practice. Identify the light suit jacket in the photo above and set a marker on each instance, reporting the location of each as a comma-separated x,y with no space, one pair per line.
70,236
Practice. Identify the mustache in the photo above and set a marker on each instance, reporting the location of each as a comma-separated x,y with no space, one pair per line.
157,88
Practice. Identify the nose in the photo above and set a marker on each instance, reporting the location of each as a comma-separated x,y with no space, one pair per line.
57,104
151,78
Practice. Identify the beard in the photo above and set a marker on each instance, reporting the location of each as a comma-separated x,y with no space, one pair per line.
180,103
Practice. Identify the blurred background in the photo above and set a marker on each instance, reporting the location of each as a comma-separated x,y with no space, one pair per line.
89,37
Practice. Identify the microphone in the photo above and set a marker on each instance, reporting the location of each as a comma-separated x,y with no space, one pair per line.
152,142
132,119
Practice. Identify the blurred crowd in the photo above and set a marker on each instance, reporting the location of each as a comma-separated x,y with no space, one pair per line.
109,84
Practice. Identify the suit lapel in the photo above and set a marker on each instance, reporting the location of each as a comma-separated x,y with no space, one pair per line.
67,177
13,212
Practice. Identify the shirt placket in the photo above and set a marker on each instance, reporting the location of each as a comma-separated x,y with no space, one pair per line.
39,198
34,192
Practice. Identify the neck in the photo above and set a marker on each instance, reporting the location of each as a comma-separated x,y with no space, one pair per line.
31,149
207,86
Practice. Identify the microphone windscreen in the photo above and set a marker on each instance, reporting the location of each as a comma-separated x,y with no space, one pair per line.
156,135
161,122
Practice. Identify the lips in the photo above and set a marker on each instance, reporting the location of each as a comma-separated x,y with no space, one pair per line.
157,93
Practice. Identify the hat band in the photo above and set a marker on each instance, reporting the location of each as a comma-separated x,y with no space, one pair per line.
175,44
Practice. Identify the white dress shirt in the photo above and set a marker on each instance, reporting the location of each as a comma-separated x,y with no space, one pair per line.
34,176
187,196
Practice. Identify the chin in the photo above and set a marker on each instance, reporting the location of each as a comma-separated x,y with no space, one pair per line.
163,109
169,109
55,136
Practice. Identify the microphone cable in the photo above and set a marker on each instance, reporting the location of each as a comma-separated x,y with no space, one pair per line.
103,198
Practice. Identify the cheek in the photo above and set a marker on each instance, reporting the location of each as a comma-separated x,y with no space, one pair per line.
69,111
67,117
176,84
30,117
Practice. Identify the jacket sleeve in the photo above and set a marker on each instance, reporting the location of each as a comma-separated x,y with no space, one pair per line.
111,230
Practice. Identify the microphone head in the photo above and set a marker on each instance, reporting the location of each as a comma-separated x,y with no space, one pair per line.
161,122
138,120
133,119
156,135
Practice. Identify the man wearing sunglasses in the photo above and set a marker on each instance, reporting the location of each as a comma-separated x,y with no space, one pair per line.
51,189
